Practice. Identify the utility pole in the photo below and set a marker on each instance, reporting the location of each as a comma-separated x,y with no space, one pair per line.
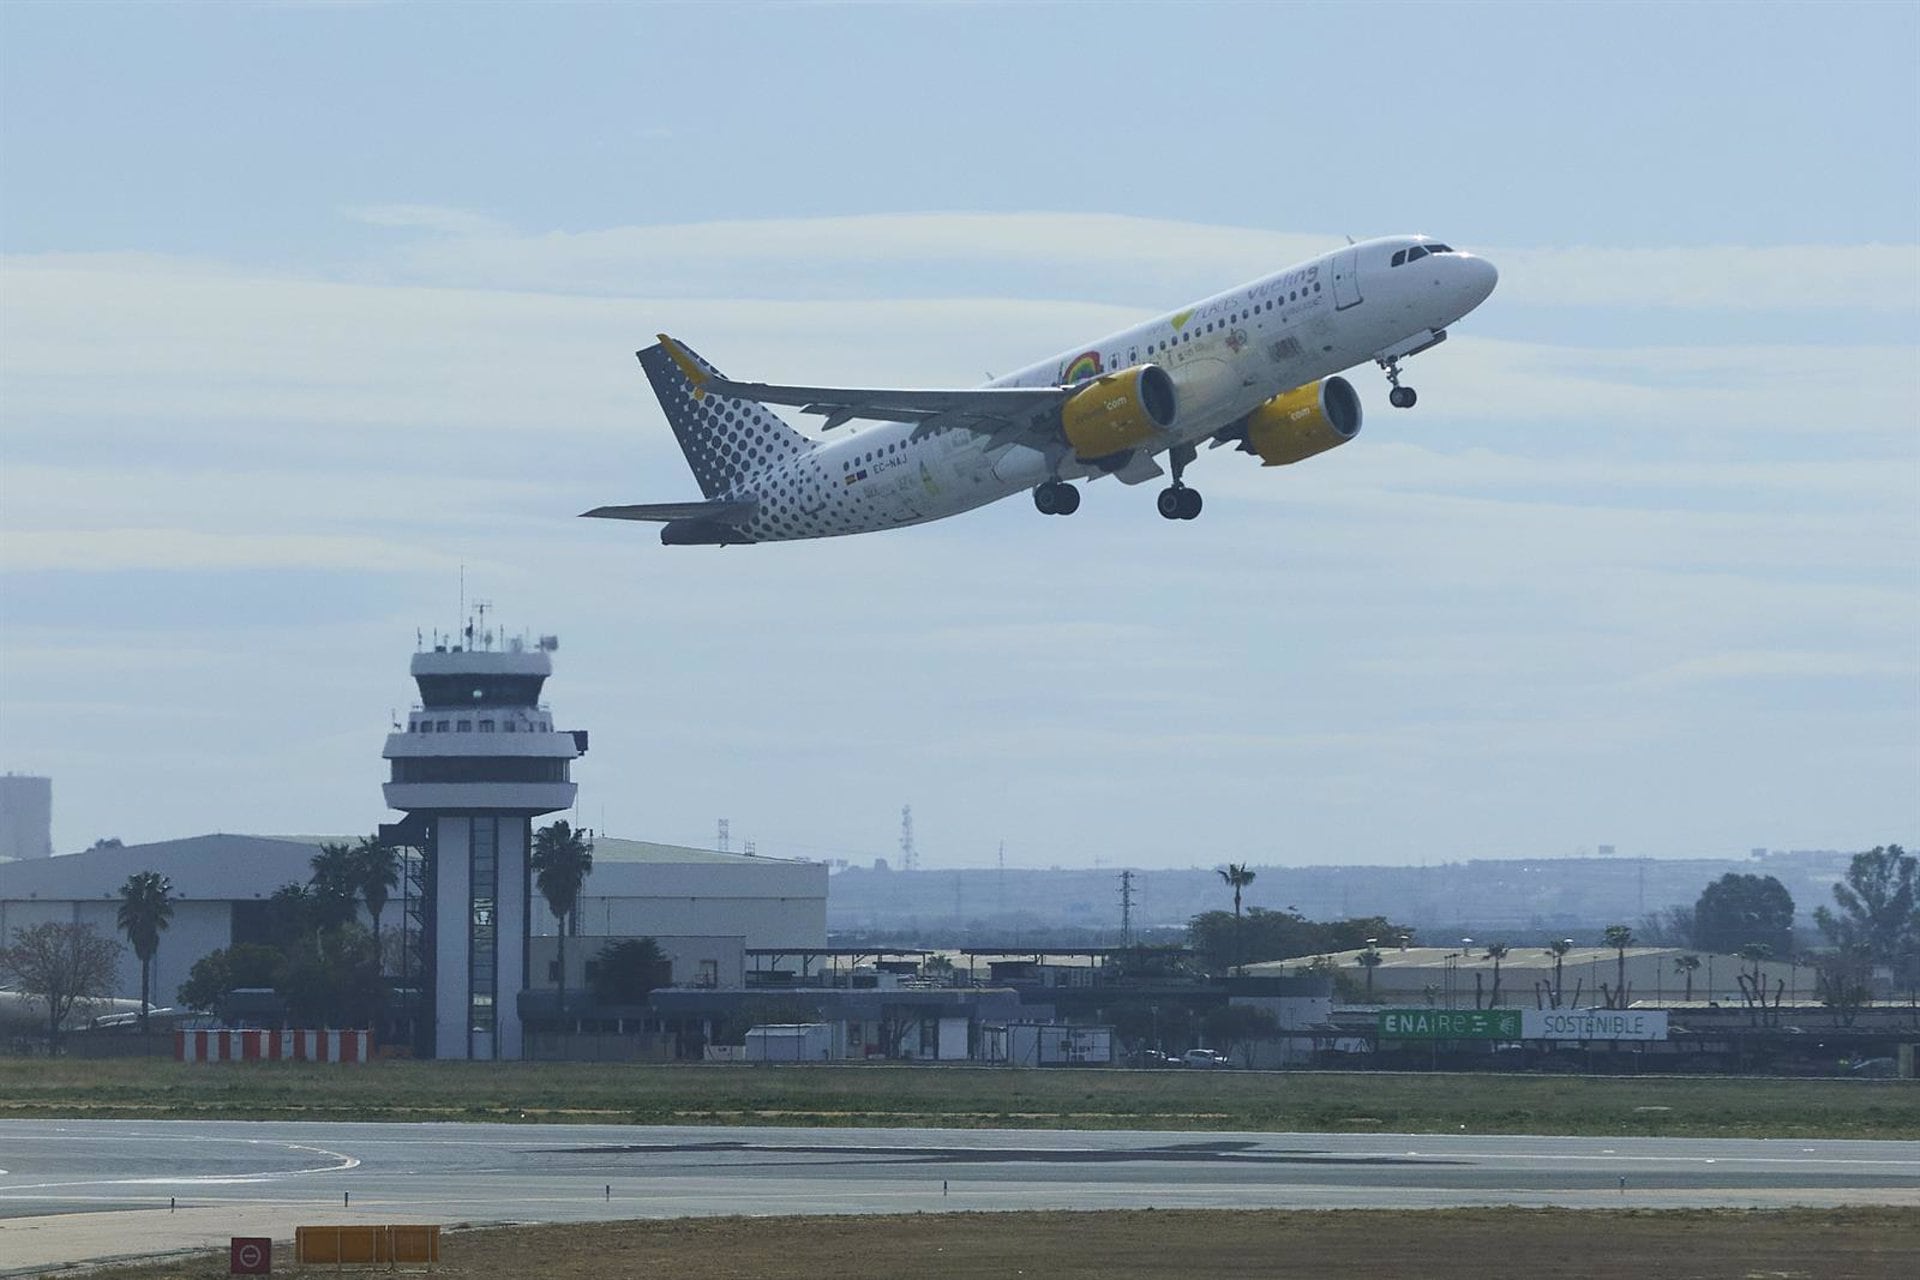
725,841
1126,908
1000,878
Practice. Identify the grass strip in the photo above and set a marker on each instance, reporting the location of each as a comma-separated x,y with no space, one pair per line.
1435,1244
963,1097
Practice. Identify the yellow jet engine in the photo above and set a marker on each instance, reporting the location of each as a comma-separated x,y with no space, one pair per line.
1299,423
1117,411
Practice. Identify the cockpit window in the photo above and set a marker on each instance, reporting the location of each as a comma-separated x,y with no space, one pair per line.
1416,253
1439,248
1399,258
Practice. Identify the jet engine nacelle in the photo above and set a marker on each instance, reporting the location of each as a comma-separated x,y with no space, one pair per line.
1302,422
1118,411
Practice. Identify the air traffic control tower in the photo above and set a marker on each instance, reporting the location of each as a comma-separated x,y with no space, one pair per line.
476,762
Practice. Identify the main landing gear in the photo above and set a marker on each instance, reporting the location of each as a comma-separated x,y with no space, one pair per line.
1177,502
1400,397
1056,498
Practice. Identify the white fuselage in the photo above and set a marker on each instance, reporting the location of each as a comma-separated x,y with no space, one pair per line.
1227,355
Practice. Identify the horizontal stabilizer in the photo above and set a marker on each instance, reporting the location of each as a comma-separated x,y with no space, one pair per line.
723,512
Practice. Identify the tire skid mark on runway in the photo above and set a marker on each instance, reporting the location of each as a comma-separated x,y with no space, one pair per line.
1612,1158
341,1163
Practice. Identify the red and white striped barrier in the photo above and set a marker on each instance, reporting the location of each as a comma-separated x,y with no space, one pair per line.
272,1046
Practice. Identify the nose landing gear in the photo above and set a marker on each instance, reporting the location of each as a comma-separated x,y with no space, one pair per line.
1403,397
1056,498
1177,502
1400,397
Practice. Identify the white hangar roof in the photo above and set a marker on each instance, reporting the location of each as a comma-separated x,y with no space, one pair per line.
212,866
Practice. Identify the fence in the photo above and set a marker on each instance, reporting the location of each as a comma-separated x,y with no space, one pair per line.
273,1046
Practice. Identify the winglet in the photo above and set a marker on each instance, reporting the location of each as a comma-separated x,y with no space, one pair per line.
693,372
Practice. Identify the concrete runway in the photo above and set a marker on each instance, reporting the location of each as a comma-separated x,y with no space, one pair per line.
77,1190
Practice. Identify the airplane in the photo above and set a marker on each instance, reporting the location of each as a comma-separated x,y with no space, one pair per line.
1255,368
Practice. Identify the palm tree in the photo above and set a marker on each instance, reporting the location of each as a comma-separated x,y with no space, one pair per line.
1496,952
1559,950
335,885
1239,875
146,908
376,872
1369,960
562,858
1687,965
1619,937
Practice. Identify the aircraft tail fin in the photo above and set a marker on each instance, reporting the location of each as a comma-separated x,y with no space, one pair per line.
724,440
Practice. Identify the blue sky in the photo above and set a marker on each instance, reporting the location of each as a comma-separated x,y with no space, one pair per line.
304,307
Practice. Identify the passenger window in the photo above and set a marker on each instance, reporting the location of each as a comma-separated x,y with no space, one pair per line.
1399,259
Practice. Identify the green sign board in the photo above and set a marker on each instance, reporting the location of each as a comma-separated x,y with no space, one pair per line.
1449,1024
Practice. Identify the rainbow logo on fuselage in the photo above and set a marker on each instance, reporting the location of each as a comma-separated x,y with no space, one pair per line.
1081,367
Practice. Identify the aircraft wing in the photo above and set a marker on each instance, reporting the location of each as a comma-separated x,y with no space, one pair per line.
987,410
721,512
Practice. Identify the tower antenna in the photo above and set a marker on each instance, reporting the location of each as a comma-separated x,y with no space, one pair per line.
909,856
1126,908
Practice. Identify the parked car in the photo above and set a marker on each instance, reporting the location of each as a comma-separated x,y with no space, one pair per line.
1155,1058
1204,1058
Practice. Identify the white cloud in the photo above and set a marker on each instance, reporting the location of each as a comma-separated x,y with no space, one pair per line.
96,550
1146,261
427,217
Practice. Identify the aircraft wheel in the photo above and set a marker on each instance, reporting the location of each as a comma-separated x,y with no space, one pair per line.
1402,397
1067,498
1172,502
1189,503
1046,499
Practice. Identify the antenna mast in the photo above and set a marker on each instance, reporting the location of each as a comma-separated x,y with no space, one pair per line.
909,857
1126,908
725,838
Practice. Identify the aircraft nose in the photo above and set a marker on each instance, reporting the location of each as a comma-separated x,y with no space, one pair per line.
1482,275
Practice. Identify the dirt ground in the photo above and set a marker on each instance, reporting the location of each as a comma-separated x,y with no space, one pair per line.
1470,1244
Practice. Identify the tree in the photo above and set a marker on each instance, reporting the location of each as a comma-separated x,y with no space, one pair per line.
336,983
1370,959
1689,965
625,972
1667,927
1877,902
1262,934
218,974
376,873
1559,951
1619,937
1239,876
146,908
1496,952
334,888
1239,1026
562,860
1739,909
59,965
